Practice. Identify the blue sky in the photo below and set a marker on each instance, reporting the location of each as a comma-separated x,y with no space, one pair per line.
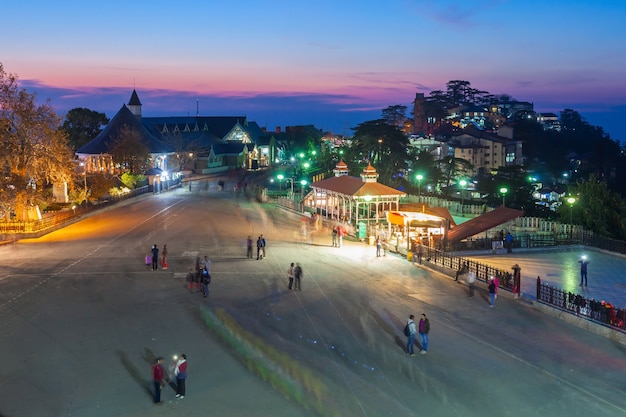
330,63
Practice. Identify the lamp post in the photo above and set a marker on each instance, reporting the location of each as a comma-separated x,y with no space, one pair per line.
419,178
280,178
82,164
463,184
571,201
303,183
503,191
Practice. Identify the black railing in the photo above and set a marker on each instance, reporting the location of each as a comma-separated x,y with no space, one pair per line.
598,311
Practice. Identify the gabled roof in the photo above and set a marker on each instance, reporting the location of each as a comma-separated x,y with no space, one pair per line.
353,186
123,119
483,223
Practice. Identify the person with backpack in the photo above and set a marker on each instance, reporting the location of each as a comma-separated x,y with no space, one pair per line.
409,331
291,275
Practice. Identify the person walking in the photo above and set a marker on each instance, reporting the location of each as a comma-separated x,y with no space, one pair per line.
157,379
583,270
291,275
249,247
340,233
411,330
424,328
180,371
260,247
471,279
297,274
492,292
164,257
155,257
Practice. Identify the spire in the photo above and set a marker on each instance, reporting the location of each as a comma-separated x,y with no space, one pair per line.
134,105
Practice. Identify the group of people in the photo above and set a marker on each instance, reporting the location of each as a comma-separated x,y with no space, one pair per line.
261,244
294,274
152,258
411,330
178,369
338,233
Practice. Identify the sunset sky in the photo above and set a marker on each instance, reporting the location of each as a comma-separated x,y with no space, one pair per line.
333,64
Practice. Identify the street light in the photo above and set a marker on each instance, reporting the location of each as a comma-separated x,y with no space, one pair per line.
463,184
503,191
571,201
82,164
280,178
419,178
303,183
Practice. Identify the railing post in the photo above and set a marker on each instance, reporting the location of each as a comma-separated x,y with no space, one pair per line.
538,287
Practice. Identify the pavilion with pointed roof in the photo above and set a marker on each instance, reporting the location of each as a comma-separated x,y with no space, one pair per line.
353,199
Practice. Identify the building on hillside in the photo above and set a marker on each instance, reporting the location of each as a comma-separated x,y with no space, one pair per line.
487,151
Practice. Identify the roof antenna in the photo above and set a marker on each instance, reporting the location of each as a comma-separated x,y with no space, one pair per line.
197,108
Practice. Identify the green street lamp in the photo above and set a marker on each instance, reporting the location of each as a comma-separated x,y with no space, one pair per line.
463,184
503,191
280,178
303,184
419,178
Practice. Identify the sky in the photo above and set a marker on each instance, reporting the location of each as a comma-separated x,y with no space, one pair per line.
333,64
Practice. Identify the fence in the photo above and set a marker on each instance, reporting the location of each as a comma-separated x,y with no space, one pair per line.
54,220
598,311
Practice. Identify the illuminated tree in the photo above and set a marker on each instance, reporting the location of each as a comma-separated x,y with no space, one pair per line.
33,150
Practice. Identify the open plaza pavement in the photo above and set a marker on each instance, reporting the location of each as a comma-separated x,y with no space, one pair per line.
82,320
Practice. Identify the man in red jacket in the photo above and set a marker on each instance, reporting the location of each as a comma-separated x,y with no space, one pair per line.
157,379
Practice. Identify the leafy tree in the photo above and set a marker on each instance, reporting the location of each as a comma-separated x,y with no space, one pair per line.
597,208
129,152
382,145
33,150
82,125
395,115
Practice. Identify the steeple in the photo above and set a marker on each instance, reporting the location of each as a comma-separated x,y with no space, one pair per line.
369,174
134,105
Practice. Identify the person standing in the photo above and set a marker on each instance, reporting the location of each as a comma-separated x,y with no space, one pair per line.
155,257
297,274
508,241
164,257
339,236
291,275
411,335
181,376
157,379
263,247
379,246
471,279
206,280
492,292
583,270
424,328
517,278
334,237
249,246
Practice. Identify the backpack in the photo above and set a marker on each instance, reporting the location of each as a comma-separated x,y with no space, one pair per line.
407,331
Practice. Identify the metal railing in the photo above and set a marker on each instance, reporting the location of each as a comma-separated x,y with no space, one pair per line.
601,312
598,311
